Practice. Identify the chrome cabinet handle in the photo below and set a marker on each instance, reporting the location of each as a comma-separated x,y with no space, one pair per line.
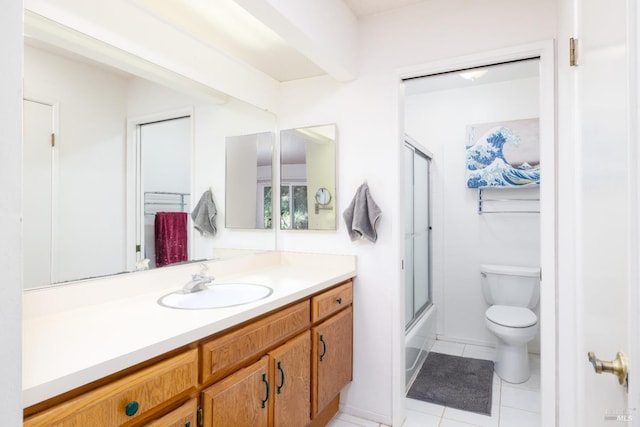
617,367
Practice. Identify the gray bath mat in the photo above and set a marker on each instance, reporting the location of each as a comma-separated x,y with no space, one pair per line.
455,382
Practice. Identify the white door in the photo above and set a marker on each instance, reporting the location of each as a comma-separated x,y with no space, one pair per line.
606,212
37,152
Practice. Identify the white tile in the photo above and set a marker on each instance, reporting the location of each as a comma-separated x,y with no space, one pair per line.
479,352
473,418
519,398
336,422
452,423
424,407
355,421
511,417
448,347
420,419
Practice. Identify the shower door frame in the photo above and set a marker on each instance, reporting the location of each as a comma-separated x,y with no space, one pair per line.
422,152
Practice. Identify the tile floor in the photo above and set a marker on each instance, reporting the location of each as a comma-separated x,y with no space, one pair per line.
513,405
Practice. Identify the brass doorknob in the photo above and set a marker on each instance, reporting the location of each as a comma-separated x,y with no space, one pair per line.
616,367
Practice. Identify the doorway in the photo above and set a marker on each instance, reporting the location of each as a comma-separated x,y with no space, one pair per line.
457,218
163,182
38,153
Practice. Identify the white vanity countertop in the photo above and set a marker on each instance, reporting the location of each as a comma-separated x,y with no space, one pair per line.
78,333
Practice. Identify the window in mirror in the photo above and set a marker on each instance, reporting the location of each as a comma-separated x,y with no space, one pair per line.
307,168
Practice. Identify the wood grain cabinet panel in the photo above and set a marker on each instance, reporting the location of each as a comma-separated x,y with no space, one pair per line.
291,370
226,353
332,360
184,416
331,301
241,399
127,398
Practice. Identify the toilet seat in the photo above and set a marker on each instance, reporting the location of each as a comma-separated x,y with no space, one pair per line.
512,317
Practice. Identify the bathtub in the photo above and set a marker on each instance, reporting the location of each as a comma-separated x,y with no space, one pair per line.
418,341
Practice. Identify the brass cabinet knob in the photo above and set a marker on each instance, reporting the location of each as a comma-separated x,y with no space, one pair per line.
616,367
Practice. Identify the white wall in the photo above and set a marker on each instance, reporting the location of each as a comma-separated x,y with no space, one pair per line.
462,239
10,211
367,113
89,171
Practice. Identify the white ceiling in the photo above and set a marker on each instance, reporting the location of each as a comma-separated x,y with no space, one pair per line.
226,26
368,7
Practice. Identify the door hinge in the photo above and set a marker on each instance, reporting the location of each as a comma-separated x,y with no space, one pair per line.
199,420
138,248
573,54
53,140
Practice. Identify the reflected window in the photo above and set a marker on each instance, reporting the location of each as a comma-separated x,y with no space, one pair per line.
294,213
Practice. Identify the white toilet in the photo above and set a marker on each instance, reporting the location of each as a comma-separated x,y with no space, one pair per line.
512,292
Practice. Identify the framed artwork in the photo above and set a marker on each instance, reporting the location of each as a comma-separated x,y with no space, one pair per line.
503,154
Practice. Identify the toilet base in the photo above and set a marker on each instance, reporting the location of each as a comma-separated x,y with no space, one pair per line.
512,362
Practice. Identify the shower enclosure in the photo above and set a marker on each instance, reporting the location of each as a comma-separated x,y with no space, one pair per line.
419,315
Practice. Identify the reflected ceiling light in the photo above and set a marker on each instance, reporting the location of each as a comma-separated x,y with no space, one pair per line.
473,74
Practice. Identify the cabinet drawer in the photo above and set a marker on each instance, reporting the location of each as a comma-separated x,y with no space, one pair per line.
184,416
333,300
224,354
143,390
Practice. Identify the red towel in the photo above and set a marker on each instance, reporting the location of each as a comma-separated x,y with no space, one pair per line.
171,238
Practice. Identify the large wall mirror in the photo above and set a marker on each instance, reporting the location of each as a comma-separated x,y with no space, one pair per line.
308,178
126,147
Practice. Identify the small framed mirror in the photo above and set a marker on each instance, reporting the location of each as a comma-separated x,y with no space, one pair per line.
308,178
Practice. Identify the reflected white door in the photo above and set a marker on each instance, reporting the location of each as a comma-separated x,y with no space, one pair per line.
37,153
607,207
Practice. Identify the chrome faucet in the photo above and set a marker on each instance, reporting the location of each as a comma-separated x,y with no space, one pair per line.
198,281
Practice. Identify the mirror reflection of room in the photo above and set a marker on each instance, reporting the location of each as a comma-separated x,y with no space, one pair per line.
84,207
165,165
308,178
249,181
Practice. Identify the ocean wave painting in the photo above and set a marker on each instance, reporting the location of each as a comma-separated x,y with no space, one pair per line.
504,154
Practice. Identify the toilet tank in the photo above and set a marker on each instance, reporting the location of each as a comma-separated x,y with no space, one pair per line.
510,285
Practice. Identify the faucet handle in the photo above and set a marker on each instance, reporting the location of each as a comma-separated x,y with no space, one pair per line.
203,269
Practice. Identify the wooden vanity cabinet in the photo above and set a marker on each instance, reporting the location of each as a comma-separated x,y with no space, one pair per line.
125,400
239,399
184,416
333,358
291,369
284,369
274,391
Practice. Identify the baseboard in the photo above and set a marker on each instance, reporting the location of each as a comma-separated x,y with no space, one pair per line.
366,415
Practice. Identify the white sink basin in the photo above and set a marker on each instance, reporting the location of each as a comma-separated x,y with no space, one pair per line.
216,296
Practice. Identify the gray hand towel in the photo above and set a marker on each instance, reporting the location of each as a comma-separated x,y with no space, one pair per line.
362,215
204,214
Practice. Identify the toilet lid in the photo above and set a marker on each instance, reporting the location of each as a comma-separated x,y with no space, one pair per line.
514,317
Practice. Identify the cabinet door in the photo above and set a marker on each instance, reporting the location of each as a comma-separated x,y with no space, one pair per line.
332,358
241,399
291,368
184,416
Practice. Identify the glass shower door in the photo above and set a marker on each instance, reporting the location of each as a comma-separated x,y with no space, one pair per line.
417,230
